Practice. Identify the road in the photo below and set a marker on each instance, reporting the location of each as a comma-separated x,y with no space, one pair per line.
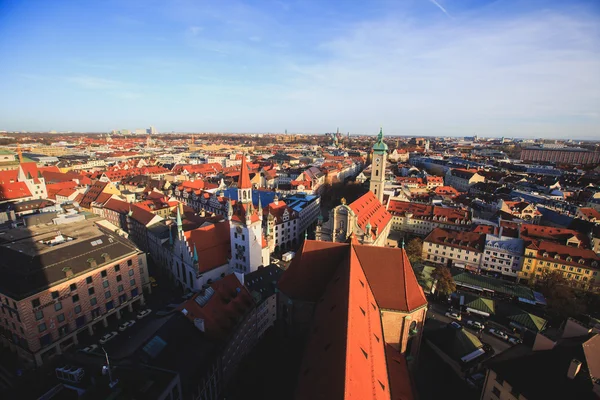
437,311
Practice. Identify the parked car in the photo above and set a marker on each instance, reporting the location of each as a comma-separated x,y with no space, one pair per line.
475,324
109,336
89,349
143,313
514,340
453,315
498,333
126,325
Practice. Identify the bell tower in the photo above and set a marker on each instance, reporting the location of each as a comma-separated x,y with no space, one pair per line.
380,150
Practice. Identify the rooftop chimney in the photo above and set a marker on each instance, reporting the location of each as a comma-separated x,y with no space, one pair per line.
574,368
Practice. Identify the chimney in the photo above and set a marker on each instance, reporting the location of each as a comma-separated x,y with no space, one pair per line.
574,368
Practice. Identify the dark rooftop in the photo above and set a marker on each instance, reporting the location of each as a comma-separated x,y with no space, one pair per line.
35,258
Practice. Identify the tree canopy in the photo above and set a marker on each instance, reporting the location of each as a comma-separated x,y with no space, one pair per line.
444,281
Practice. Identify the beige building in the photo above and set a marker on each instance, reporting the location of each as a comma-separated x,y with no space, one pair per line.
456,249
463,179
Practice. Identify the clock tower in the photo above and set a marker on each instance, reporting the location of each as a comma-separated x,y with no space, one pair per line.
378,167
245,227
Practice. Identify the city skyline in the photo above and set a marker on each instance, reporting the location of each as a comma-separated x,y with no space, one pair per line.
426,68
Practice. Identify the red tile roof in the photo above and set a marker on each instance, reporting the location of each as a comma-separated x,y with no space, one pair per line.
391,277
212,243
244,180
368,209
346,356
230,302
463,240
92,194
13,191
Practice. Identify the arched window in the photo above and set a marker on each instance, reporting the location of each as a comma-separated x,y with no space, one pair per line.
376,172
191,280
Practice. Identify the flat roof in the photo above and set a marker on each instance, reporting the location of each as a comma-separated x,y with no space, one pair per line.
35,258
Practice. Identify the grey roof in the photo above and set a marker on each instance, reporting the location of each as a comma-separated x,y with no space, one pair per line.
30,263
262,282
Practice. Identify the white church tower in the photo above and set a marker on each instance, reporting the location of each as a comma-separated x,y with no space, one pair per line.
380,150
245,224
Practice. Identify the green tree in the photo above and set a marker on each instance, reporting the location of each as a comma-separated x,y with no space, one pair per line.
444,282
414,250
560,296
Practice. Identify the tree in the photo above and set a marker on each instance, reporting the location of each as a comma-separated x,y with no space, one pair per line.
414,250
561,298
444,282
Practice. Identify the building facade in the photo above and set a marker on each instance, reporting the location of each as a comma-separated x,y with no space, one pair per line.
83,276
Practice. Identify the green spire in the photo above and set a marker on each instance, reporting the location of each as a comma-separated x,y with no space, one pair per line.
380,146
195,254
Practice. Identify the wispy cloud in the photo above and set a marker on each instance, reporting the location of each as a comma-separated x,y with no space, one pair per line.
438,5
497,75
195,30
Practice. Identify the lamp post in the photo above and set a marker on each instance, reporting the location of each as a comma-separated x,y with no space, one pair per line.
112,383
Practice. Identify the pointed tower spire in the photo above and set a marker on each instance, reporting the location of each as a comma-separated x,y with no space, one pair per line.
179,224
229,210
244,184
195,254
170,236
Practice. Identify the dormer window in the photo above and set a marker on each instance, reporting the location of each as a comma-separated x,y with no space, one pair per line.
556,257
569,259
545,254
581,261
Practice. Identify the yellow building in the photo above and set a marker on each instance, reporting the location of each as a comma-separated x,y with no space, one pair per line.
580,266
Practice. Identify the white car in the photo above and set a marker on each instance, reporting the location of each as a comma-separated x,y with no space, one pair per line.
453,315
475,324
515,340
143,313
498,333
89,349
126,325
109,336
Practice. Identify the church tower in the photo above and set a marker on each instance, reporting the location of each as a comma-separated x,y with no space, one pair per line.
245,227
378,167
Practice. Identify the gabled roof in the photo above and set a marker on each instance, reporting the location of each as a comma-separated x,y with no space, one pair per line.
369,210
346,356
213,245
13,191
391,277
223,310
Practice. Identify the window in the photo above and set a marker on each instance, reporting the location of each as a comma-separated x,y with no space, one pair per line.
119,278
129,263
103,274
55,294
42,327
107,294
39,315
58,306
132,282
496,391
88,280
73,286
105,284
75,298
499,380
131,272
91,291
117,268
93,301
77,308
60,317
120,288
36,302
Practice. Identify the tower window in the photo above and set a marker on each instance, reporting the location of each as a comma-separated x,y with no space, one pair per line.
376,172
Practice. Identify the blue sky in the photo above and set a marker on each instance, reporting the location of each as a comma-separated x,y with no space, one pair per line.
416,67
